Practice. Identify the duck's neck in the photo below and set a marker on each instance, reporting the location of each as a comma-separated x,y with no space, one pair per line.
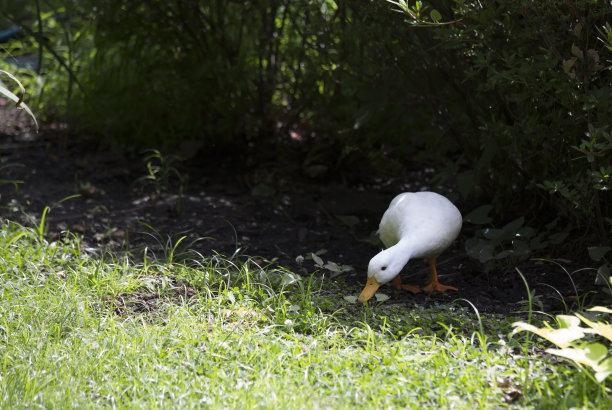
402,252
414,246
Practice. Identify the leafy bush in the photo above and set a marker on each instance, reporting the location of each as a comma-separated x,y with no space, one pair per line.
510,100
575,343
522,94
512,243
225,73
539,109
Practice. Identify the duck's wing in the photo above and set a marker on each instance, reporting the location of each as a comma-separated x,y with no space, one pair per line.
393,221
429,220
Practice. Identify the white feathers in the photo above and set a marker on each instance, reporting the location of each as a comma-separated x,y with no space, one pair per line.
416,225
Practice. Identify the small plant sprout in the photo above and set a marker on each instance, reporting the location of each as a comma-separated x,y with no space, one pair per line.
14,182
161,171
334,268
163,176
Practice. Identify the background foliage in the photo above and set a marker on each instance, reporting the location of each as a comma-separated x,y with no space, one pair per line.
509,100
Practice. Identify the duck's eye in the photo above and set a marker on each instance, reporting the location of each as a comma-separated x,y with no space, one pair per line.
383,268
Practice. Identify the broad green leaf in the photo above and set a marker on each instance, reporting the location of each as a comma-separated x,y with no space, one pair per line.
598,252
521,248
317,260
480,215
605,369
602,328
435,15
514,226
567,321
525,232
482,250
333,267
495,234
560,337
601,309
381,297
290,278
486,253
351,299
504,254
604,274
592,355
537,243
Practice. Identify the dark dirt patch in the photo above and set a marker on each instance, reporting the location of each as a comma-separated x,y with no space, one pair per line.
162,291
267,210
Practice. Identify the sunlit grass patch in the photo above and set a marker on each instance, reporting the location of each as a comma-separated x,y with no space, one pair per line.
83,330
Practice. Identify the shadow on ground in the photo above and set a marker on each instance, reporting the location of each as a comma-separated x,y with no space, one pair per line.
260,210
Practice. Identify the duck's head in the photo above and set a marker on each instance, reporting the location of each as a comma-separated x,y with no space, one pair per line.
382,268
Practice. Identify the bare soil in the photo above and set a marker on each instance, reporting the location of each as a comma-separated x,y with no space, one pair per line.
257,201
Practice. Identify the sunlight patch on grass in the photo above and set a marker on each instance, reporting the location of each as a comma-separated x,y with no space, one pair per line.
78,331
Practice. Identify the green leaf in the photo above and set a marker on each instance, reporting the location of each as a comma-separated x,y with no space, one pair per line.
605,369
526,232
604,274
479,249
598,252
351,299
480,215
558,237
381,297
504,254
435,15
601,309
592,355
602,328
521,248
567,321
333,267
562,337
514,226
495,234
317,260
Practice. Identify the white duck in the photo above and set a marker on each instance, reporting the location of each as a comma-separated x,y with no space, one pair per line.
416,225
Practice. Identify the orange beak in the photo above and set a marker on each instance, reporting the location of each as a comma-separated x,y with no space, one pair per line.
370,289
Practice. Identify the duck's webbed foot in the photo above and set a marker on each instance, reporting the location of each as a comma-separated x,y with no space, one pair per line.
433,285
397,282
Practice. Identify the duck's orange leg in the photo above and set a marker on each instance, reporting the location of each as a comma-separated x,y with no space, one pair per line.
433,284
397,282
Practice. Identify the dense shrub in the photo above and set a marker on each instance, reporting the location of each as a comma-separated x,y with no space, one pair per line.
537,98
510,100
520,92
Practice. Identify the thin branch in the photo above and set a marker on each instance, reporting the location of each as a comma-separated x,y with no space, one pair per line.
45,43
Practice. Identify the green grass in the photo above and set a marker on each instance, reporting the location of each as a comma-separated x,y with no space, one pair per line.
89,331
